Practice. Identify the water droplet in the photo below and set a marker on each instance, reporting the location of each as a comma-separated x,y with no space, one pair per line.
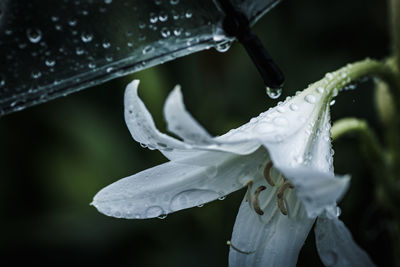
332,102
200,206
211,171
320,90
188,14
329,76
165,32
174,2
190,198
154,211
223,46
34,35
91,65
338,211
141,144
310,99
293,107
273,93
280,109
280,121
107,1
36,74
50,62
109,69
177,31
162,216
330,258
163,16
54,18
221,197
86,37
72,22
106,45
147,49
79,51
153,17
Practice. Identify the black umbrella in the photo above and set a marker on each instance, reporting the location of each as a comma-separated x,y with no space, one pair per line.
53,48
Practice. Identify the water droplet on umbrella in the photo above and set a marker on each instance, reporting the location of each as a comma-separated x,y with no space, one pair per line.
36,74
332,102
72,22
165,32
86,37
153,17
106,45
163,16
50,62
174,2
162,216
107,1
34,35
188,14
273,93
177,31
223,46
147,49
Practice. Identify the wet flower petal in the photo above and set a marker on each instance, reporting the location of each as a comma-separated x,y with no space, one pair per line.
276,243
180,122
336,246
173,186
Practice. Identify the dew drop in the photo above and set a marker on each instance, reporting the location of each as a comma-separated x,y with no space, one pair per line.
310,99
223,46
154,211
165,32
190,198
162,216
163,17
36,74
280,121
273,93
86,37
106,45
330,258
177,31
211,171
293,107
320,90
147,49
34,35
50,62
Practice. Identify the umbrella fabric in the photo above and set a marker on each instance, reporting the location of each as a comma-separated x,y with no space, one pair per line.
52,48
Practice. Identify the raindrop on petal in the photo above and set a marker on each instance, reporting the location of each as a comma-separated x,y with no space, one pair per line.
273,93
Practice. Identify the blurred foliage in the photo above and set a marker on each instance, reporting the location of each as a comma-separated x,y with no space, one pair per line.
56,156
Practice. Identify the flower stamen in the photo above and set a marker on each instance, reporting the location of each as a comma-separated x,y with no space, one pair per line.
229,243
281,194
256,204
267,175
249,185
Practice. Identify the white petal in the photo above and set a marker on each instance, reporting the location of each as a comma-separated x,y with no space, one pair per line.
181,123
316,189
141,124
336,246
144,131
174,186
276,243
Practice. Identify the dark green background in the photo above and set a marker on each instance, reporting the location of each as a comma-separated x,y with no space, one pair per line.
56,156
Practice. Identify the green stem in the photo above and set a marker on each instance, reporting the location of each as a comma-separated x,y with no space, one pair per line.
395,23
370,145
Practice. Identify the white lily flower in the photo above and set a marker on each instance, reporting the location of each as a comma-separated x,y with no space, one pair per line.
283,157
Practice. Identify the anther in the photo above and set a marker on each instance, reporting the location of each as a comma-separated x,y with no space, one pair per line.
249,185
256,204
229,243
266,173
280,195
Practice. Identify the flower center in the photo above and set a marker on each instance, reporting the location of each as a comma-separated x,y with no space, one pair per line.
280,196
